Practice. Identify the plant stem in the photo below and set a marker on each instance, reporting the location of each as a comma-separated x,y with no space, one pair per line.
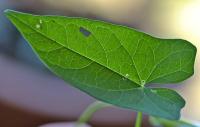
138,122
90,110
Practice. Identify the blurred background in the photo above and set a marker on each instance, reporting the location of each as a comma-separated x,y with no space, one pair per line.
30,95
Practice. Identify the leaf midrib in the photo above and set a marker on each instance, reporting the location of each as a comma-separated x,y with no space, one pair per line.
71,49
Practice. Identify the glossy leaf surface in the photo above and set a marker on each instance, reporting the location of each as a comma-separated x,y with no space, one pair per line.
110,62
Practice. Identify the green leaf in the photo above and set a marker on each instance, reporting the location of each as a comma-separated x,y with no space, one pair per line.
159,122
110,62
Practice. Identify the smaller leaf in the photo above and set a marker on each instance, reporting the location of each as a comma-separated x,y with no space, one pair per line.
159,122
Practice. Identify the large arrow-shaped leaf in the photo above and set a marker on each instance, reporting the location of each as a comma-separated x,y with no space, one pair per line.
112,63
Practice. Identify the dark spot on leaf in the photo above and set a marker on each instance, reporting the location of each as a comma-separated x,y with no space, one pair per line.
85,32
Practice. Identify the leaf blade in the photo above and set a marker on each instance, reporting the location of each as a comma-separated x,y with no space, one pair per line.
66,43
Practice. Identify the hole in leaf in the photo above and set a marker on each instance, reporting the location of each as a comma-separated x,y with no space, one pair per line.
85,32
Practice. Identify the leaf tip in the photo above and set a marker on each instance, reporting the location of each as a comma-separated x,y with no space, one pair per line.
8,11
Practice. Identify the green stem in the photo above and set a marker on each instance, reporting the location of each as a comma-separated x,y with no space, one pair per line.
91,109
138,122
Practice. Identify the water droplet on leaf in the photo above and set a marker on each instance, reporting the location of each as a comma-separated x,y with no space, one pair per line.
40,21
127,75
153,91
143,82
37,26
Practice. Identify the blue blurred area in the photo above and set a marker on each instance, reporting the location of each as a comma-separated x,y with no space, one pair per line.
7,32
11,42
26,54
